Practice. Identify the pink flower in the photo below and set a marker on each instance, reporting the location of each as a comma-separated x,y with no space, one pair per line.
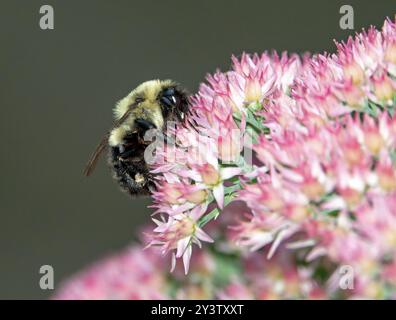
212,177
261,230
321,174
384,87
130,275
282,160
179,233
236,291
254,77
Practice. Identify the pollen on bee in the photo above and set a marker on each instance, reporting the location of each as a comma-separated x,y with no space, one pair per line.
139,178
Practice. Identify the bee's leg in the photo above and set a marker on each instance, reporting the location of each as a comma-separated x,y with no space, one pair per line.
144,125
127,153
124,151
151,183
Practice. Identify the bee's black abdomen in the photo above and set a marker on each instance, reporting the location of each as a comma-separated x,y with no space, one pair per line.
130,170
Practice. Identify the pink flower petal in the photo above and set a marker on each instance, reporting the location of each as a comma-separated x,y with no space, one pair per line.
218,193
229,172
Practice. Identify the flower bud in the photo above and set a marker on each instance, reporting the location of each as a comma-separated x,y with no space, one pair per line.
383,88
172,193
252,90
197,196
390,52
354,72
210,176
312,188
373,141
353,95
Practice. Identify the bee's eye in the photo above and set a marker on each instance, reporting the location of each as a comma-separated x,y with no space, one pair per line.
169,98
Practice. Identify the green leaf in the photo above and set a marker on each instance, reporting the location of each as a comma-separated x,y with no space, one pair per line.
392,154
255,106
227,267
253,121
331,212
232,189
370,108
215,212
208,217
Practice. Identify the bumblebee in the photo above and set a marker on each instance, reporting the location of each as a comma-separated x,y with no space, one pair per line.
150,106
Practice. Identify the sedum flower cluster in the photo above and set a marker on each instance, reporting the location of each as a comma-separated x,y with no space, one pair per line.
282,179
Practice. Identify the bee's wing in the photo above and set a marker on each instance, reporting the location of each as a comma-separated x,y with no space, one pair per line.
103,144
95,156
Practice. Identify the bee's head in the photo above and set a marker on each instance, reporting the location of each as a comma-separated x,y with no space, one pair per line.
150,106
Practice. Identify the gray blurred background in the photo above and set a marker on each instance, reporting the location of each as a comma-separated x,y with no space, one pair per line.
57,89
